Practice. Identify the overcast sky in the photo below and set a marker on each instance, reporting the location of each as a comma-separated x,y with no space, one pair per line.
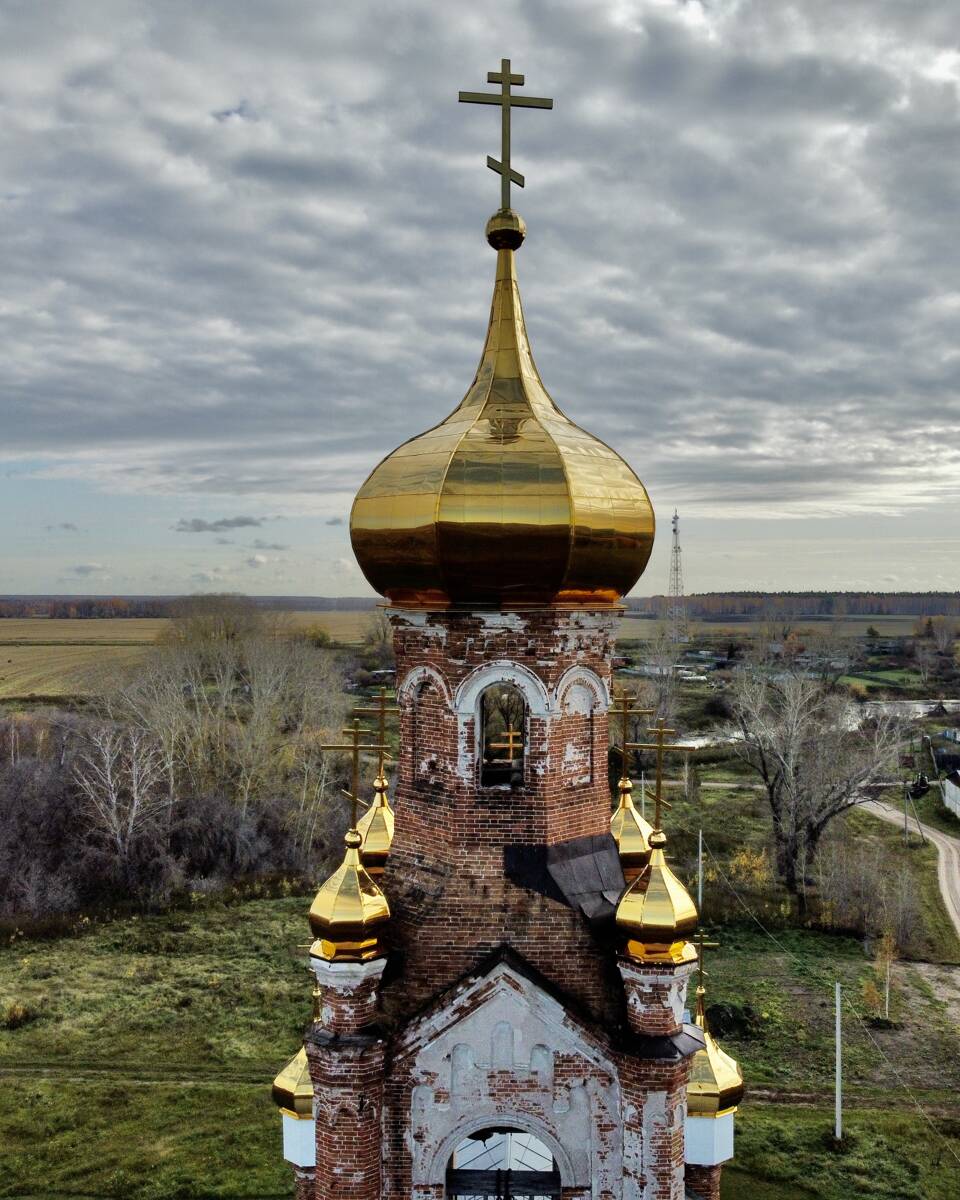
243,258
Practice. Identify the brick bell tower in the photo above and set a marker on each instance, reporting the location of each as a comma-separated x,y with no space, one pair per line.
498,1011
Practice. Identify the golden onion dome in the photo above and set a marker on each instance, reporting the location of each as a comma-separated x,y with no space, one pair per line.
656,911
716,1081
506,502
631,832
348,911
376,829
293,1087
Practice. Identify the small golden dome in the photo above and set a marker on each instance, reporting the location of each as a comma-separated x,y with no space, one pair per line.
376,829
506,502
656,911
293,1087
348,911
716,1081
631,832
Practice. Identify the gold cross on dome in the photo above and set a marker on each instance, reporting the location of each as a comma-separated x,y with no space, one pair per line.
506,100
381,710
701,946
662,747
356,748
513,743
623,708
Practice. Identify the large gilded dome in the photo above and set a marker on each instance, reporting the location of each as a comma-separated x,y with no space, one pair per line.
506,503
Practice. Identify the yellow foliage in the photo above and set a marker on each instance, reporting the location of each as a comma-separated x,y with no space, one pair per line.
751,867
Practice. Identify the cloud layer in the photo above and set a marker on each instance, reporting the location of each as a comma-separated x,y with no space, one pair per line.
243,256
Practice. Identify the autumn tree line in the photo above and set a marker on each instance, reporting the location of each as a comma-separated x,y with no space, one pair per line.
199,767
792,605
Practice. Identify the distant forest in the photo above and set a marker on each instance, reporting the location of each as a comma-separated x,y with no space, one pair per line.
705,607
757,605
80,607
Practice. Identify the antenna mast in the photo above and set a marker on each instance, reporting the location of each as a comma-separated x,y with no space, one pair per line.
676,604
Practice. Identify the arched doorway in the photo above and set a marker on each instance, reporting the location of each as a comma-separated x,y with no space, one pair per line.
503,724
502,1164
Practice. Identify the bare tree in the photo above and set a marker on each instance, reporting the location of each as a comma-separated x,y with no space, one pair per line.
923,659
801,739
662,657
944,633
119,773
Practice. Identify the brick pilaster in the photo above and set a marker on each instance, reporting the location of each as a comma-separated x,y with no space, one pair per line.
654,1105
348,1074
704,1181
304,1183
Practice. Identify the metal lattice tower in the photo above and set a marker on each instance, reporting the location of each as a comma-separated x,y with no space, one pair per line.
676,604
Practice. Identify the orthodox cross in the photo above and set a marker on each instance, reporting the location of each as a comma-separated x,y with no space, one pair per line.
660,733
701,946
623,708
506,100
381,710
356,748
511,745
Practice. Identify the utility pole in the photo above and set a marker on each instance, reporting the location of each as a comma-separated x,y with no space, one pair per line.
700,873
838,1070
676,602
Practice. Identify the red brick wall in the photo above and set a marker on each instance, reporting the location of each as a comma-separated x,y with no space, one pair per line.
450,898
348,1087
704,1181
654,1095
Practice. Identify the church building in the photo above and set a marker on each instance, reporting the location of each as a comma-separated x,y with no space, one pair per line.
501,962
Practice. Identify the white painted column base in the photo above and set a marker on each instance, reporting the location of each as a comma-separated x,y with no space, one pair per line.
299,1140
708,1140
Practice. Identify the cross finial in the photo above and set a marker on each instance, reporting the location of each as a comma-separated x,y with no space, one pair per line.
356,748
511,745
623,708
660,732
506,100
381,709
701,946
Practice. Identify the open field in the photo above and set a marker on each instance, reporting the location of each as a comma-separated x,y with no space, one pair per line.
53,657
644,628
145,1072
58,669
61,657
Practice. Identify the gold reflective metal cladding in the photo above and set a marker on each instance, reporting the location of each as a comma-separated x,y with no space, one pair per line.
630,830
506,503
349,908
716,1080
376,829
376,825
656,911
293,1088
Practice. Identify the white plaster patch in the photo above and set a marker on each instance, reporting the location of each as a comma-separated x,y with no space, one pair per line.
708,1141
646,989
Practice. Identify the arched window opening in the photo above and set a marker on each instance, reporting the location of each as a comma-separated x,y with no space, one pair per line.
502,1164
503,735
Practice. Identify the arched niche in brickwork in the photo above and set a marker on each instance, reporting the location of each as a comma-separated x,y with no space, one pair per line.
468,694
416,678
423,683
575,686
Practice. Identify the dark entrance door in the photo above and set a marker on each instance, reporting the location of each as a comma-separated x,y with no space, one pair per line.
502,1185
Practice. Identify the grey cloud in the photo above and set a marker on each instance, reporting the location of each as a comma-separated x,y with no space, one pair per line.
63,526
86,570
740,268
198,525
259,544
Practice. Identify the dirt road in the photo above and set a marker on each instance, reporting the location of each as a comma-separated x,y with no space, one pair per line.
948,851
